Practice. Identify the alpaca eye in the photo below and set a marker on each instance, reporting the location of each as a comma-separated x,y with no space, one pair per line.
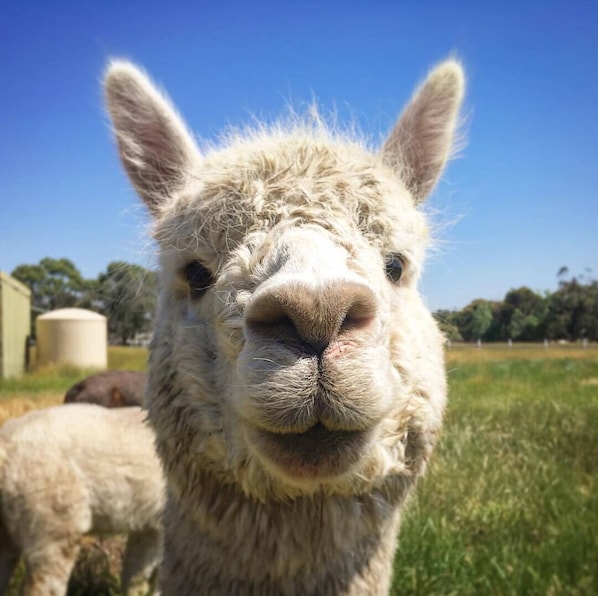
394,267
199,279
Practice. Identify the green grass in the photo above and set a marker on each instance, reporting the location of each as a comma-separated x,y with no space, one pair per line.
57,379
510,503
129,358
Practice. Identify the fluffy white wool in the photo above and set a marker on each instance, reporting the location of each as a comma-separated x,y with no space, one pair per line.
70,470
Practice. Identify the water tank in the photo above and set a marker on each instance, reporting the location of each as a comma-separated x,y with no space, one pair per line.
72,336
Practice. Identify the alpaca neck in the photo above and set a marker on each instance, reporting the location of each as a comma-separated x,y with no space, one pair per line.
219,541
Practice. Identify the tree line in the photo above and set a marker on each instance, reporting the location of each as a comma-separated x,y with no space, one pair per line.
569,313
125,293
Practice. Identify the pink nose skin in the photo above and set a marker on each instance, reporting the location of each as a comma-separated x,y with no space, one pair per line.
337,348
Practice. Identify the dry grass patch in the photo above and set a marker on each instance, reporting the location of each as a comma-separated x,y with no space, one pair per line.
20,404
470,353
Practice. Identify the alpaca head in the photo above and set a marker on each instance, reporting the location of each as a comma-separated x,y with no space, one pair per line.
292,351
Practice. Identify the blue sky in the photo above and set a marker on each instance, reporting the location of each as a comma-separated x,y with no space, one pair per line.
521,199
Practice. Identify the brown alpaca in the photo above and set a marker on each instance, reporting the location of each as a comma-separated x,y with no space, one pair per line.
109,388
296,380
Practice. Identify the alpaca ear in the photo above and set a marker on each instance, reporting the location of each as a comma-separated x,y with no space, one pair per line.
421,141
156,149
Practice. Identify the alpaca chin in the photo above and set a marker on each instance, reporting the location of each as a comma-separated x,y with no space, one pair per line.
316,454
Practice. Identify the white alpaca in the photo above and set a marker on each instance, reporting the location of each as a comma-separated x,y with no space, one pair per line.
73,469
297,382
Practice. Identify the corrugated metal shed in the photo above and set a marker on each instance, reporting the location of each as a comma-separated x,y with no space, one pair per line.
15,325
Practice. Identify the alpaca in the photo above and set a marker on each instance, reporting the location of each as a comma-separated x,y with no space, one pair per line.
296,378
109,388
73,469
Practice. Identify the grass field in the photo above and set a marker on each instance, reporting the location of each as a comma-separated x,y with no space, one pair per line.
510,501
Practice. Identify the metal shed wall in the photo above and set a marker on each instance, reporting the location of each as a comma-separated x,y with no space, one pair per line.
15,325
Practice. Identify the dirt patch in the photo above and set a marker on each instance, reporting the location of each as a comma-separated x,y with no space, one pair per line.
592,382
98,566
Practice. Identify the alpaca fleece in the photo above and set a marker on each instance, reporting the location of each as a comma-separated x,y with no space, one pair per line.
296,382
75,469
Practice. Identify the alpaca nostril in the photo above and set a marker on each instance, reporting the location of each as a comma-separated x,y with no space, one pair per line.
274,318
356,324
283,329
362,310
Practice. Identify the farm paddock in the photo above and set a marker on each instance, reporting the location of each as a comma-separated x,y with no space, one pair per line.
510,503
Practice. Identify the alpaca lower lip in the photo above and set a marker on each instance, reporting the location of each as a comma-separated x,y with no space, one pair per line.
317,452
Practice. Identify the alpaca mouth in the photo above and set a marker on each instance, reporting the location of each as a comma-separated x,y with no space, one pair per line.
315,453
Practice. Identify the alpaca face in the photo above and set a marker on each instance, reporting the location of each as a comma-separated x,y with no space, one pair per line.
285,314
292,351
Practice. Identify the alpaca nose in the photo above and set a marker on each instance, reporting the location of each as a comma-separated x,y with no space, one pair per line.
293,310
